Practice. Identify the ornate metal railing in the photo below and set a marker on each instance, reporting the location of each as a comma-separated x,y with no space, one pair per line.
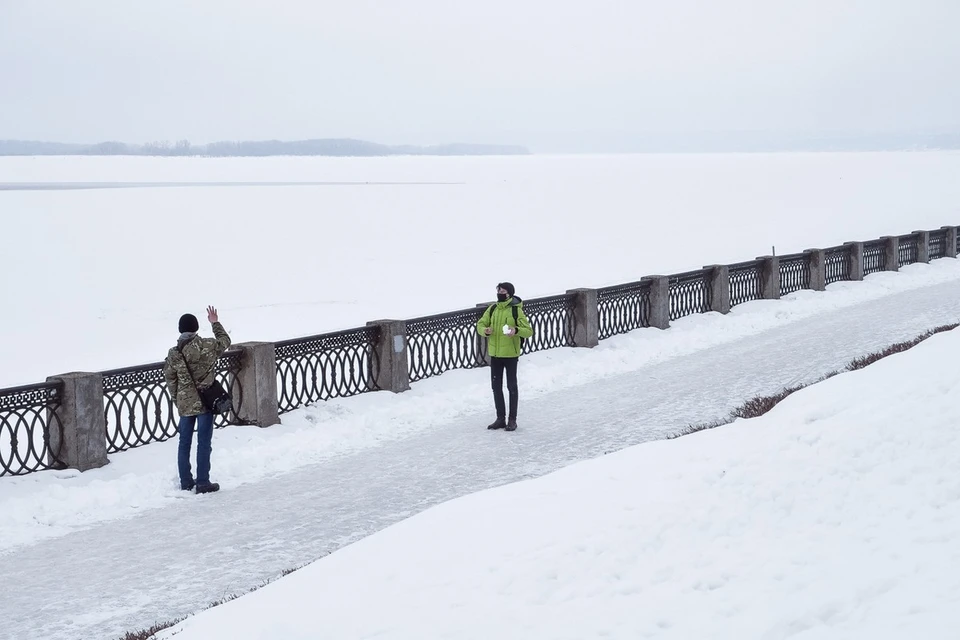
623,308
746,281
138,407
28,425
794,273
874,256
909,249
553,322
937,245
330,365
443,342
228,373
836,263
689,293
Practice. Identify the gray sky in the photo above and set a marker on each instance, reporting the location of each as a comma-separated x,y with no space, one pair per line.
428,71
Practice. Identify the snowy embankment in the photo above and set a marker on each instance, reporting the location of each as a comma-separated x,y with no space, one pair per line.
50,504
835,515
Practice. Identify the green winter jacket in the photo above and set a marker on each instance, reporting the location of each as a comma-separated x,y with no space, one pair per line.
202,355
497,315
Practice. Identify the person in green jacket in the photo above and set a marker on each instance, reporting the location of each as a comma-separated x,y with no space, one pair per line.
503,325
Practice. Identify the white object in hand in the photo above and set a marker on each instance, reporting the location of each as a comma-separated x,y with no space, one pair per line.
506,329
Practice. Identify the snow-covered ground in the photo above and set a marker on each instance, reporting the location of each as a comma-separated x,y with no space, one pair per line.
102,275
44,505
834,516
99,553
120,548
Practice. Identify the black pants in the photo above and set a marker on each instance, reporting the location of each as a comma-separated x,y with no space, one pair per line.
497,367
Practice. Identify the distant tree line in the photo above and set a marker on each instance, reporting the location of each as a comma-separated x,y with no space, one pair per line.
320,147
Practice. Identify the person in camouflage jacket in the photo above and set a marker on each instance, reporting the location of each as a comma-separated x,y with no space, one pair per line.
201,354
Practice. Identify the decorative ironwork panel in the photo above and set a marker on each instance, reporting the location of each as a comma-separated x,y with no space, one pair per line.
837,263
553,322
27,419
909,251
794,273
746,281
228,373
443,342
330,365
874,256
689,294
138,407
623,308
937,247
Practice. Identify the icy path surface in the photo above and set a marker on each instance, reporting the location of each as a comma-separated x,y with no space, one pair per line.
173,561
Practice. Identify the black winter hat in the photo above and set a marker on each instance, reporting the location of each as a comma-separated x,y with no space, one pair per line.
508,287
188,323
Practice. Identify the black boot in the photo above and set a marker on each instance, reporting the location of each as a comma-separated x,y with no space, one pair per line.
499,424
210,487
511,424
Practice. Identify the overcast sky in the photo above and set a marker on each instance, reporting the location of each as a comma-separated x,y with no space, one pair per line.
516,71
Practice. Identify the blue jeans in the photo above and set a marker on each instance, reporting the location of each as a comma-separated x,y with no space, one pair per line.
204,423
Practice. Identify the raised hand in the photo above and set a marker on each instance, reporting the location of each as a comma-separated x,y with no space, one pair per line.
212,314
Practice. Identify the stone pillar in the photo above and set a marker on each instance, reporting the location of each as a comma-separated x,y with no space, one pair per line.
923,246
856,260
718,283
770,277
392,350
659,301
586,316
893,252
818,269
83,444
257,402
482,344
950,251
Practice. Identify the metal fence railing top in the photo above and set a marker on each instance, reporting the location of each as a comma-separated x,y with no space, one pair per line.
326,366
138,409
31,434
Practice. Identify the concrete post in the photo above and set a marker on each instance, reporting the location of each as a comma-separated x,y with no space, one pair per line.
586,317
818,269
923,246
84,440
770,277
950,251
482,344
258,403
856,260
659,301
718,283
392,350
893,252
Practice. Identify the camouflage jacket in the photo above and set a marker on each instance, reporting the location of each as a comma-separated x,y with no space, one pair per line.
202,355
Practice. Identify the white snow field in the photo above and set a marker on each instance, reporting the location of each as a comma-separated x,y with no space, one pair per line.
94,279
836,515
97,554
100,276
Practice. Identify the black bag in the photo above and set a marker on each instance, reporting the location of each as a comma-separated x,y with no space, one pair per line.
214,398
